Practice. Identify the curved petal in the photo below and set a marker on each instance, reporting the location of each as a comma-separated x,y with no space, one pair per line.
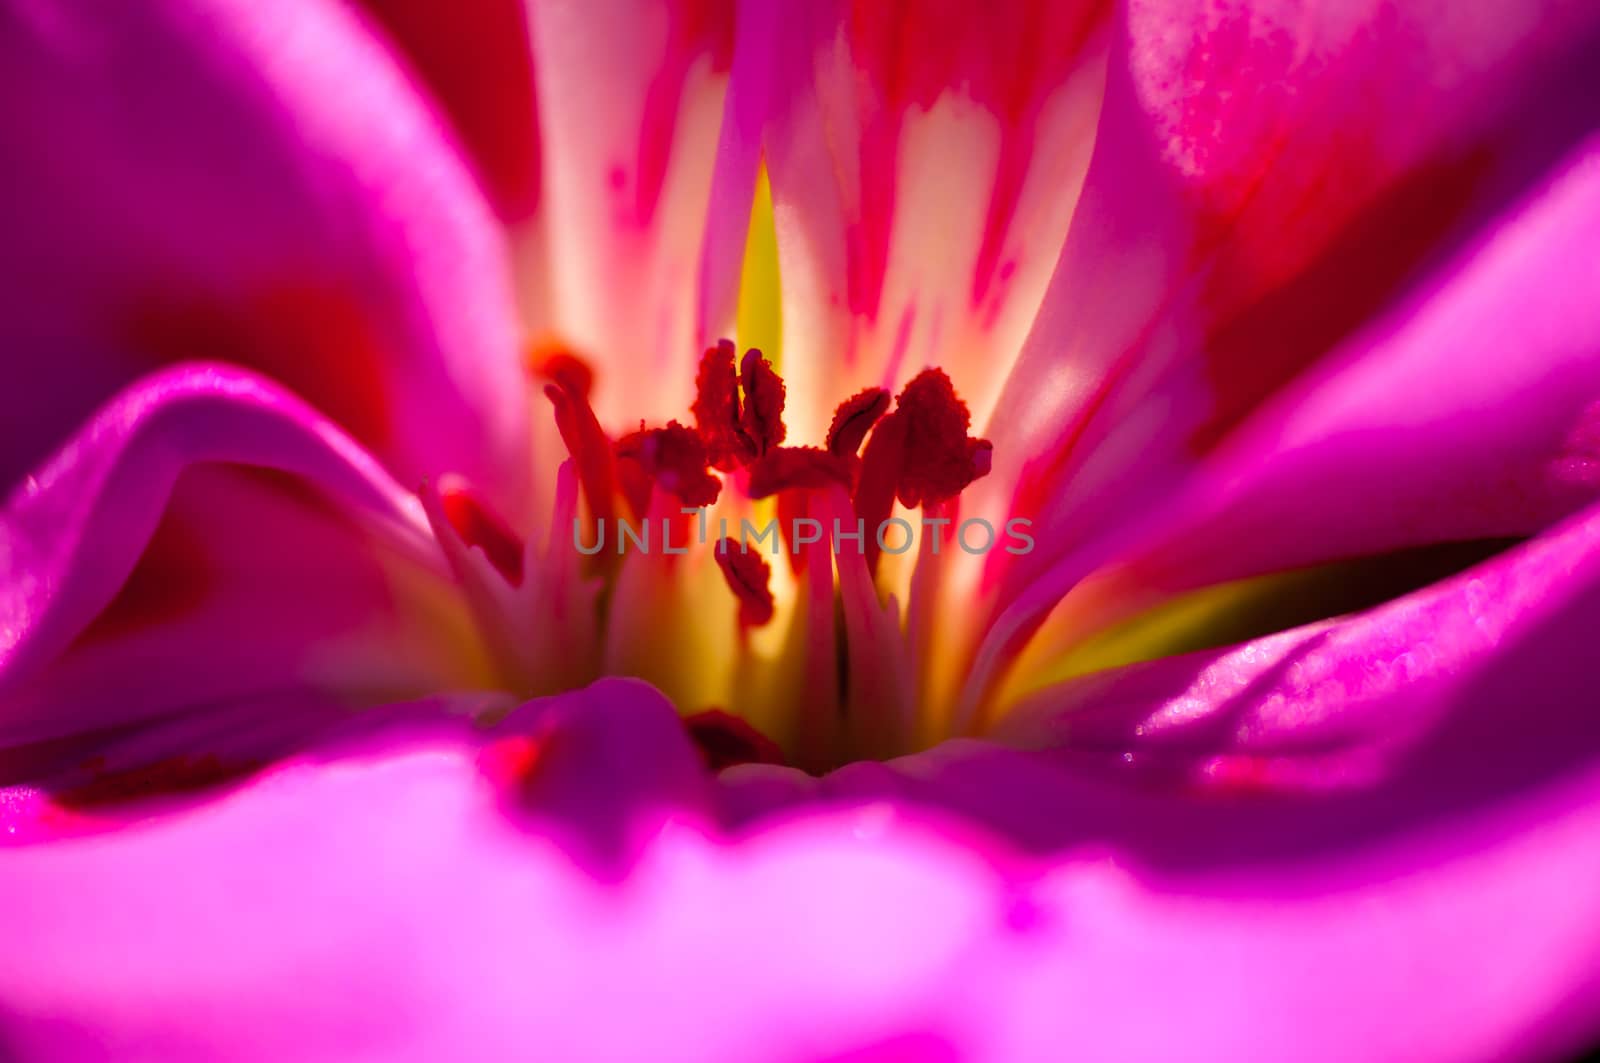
436,925
1256,196
890,116
138,577
1467,412
196,177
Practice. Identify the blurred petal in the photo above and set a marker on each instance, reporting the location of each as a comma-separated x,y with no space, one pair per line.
889,116
204,178
475,60
435,925
138,577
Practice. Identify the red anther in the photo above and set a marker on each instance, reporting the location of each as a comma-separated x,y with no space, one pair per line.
854,418
716,407
803,467
479,526
761,421
747,575
725,740
560,366
589,447
674,458
938,458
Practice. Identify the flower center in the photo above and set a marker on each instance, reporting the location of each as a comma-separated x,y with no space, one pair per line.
735,572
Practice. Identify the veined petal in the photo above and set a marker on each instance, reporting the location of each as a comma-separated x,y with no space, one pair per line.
1229,238
892,116
1465,412
138,576
196,178
630,108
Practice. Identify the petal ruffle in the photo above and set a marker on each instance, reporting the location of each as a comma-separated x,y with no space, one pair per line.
138,575
204,178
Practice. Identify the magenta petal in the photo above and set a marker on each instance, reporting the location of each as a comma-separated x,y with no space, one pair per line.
1255,201
256,182
260,586
1466,412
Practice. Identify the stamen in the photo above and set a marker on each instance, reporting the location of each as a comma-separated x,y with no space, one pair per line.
748,576
737,430
560,366
480,527
716,406
725,740
939,460
589,447
854,418
788,467
762,419
673,458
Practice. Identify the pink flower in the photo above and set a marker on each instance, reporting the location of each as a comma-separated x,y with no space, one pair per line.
333,332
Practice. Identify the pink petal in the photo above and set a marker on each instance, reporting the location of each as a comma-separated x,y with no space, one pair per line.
1465,412
224,178
138,576
379,900
888,117
630,107
1256,197
475,60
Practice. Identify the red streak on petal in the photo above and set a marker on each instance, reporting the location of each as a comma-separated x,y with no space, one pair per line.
854,418
172,776
479,526
747,575
725,740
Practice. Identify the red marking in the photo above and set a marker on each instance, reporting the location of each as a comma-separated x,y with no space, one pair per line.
173,776
510,762
478,526
475,59
589,447
716,406
725,740
747,575
313,338
673,458
560,365
807,468
854,418
939,461
694,28
761,421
